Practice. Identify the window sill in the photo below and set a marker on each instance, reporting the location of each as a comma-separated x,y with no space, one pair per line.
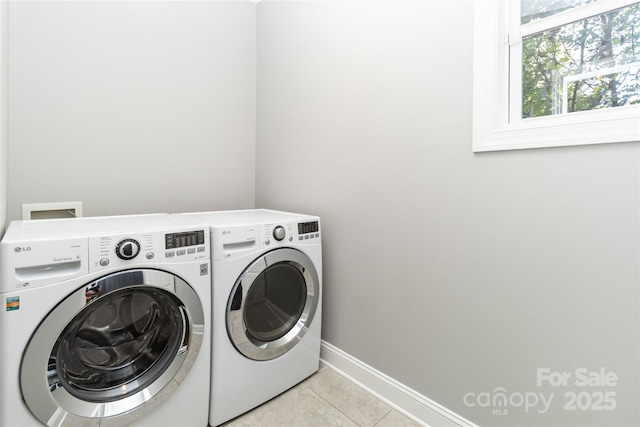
584,128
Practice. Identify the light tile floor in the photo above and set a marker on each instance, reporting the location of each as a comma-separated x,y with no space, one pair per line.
324,399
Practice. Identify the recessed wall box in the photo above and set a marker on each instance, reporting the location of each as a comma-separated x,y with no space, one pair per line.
51,210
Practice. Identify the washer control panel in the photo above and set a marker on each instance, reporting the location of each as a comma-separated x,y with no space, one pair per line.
184,243
128,249
122,250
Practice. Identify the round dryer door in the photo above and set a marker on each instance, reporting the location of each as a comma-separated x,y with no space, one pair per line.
272,304
111,347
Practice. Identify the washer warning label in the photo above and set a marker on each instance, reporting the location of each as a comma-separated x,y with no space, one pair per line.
204,269
13,303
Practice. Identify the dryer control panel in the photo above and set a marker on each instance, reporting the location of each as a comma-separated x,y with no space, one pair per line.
290,232
308,230
238,240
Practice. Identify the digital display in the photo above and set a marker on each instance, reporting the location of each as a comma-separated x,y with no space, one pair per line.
180,240
308,227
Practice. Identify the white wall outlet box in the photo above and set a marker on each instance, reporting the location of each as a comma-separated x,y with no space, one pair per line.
51,210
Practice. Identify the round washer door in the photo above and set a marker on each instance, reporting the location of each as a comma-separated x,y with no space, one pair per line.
111,347
272,304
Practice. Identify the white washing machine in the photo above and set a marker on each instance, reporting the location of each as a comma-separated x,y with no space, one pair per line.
266,301
106,322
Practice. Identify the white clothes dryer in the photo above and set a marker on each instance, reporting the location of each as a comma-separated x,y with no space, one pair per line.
266,301
106,322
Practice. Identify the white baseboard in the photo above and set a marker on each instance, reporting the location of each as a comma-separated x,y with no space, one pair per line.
400,397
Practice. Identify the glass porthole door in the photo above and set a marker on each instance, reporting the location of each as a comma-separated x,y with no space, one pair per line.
111,346
272,304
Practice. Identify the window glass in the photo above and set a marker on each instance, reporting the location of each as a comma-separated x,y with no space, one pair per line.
585,65
532,10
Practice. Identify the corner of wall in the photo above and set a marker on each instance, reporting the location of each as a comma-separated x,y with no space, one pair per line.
4,110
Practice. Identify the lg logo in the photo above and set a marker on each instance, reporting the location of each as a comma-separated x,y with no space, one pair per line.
19,249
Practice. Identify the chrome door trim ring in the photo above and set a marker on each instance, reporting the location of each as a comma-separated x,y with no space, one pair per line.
58,407
236,327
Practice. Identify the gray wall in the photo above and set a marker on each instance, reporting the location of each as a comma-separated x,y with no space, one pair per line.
132,107
451,272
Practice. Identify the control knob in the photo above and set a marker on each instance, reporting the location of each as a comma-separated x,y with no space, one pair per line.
279,233
128,249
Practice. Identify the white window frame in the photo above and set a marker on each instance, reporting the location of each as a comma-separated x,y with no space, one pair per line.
497,122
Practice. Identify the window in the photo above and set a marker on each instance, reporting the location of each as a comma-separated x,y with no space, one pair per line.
555,72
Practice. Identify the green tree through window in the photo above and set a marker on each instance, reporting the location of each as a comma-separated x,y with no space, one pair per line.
589,64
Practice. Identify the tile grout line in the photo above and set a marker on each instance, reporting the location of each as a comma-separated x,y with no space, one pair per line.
385,416
345,415
340,411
